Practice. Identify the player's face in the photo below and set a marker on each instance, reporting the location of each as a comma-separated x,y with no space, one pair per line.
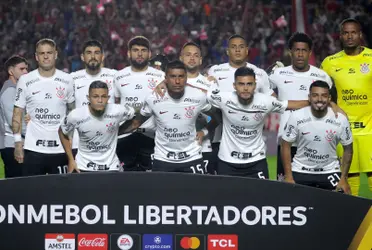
18,70
139,56
191,57
98,99
245,87
92,57
319,98
237,50
176,80
300,54
351,35
46,56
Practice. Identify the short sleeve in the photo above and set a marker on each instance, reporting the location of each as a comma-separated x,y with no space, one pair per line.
346,135
20,96
69,123
214,98
70,95
128,113
290,129
146,109
265,88
277,106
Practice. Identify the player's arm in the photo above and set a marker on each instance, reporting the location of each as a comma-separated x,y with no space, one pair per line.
133,124
347,144
67,127
70,106
216,119
293,105
17,128
289,136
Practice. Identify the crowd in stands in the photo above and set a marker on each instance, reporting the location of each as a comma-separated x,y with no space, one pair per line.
169,24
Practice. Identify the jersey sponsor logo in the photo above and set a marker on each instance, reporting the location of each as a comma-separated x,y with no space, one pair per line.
173,135
333,122
303,121
315,75
302,87
78,77
277,104
364,68
60,92
356,125
259,107
151,83
191,100
176,117
240,130
351,71
312,169
67,125
111,127
289,130
240,155
347,133
111,116
352,98
106,75
285,72
122,76
47,143
99,133
245,118
163,112
131,99
48,96
97,147
215,91
338,69
330,135
286,81
96,167
314,154
334,57
317,138
18,94
36,92
32,81
138,86
57,79
153,74
178,155
85,103
43,115
218,70
82,121
189,112
160,100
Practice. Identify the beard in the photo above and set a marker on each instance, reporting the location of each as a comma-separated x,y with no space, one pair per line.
93,67
139,65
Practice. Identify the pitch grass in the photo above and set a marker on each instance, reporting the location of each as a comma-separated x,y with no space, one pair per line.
364,191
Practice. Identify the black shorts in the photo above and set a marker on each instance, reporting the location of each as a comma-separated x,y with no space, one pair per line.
257,169
11,167
323,181
214,158
40,164
135,152
279,163
209,162
193,167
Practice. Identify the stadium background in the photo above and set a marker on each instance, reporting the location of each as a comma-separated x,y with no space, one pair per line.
168,24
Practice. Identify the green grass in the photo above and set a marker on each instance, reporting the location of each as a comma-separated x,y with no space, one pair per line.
271,160
363,192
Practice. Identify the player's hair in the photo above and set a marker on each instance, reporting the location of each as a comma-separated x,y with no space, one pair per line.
236,36
350,20
98,85
92,43
159,60
320,84
48,41
244,71
176,64
140,41
300,37
13,61
191,44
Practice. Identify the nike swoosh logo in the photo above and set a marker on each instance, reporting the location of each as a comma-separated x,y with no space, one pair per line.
163,112
79,87
232,112
337,70
305,133
221,78
287,81
34,93
84,132
125,84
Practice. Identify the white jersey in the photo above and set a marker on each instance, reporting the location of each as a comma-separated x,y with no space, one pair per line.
317,139
175,139
242,140
202,83
294,85
224,75
45,99
82,82
97,135
133,87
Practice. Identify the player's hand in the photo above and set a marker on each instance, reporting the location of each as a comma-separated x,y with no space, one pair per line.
18,152
343,185
72,166
289,179
212,79
27,118
160,89
199,136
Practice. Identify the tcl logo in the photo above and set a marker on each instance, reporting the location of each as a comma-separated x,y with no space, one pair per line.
222,241
92,241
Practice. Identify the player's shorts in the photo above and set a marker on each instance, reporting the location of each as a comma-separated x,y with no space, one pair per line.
192,167
362,154
257,169
209,162
323,181
213,164
279,163
40,164
134,152
11,167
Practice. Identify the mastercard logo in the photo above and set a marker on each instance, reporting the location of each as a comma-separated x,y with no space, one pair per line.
190,243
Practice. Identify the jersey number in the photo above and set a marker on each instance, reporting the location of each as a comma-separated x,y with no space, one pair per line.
62,169
333,179
198,169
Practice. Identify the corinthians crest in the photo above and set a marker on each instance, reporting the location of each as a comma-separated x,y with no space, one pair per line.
330,134
364,68
152,83
189,112
60,92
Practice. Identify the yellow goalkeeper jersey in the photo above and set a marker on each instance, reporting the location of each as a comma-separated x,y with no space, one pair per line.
352,77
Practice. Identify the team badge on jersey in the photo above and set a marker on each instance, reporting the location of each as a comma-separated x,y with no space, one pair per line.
364,68
330,135
189,112
152,83
60,92
258,117
111,127
109,85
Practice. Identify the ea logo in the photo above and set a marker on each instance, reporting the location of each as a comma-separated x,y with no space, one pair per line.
125,242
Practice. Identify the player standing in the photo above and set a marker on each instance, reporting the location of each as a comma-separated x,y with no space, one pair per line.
350,70
317,132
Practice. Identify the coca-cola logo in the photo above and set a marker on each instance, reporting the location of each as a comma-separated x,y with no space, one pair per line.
92,241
